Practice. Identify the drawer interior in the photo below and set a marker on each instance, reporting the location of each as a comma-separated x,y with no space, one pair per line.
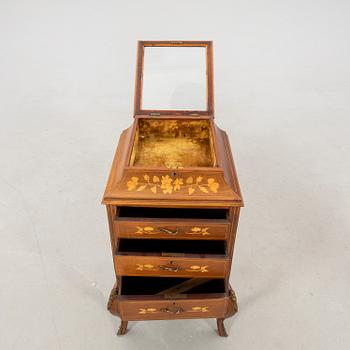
164,247
172,213
170,285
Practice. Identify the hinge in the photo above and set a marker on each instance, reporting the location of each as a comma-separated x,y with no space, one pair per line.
177,42
153,114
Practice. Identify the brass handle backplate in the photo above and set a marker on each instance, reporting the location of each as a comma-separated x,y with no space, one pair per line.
170,267
169,232
173,310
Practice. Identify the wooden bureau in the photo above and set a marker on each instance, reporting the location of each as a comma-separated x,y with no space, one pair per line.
173,198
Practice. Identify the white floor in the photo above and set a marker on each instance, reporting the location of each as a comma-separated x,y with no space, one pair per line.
282,82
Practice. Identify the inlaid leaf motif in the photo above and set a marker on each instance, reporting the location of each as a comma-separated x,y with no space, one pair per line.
199,179
147,229
213,185
197,308
195,268
144,311
199,231
203,189
132,183
177,183
168,184
189,180
148,266
205,231
139,267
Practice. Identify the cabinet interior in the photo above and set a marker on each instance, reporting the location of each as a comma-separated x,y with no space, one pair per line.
173,143
172,213
131,285
164,246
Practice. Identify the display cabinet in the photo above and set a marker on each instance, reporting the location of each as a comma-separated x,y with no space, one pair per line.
173,198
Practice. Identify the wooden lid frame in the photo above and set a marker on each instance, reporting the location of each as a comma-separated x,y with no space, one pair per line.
209,112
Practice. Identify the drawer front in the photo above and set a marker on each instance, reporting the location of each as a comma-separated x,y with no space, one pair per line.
130,265
171,229
172,309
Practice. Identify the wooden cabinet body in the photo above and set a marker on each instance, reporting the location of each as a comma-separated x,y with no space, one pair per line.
173,203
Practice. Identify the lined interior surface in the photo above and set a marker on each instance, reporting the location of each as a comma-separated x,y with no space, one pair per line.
173,143
173,213
171,246
153,285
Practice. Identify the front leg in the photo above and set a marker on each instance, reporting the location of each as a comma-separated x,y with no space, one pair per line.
221,328
122,327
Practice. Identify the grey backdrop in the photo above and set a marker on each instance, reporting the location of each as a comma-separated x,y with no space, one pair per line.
282,87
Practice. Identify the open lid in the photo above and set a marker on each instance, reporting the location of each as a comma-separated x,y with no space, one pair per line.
174,78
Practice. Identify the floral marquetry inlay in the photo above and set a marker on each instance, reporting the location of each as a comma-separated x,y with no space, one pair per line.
199,231
199,309
195,268
151,310
148,230
146,267
150,267
167,185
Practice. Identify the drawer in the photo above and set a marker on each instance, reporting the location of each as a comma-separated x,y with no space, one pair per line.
171,223
170,266
136,257
141,298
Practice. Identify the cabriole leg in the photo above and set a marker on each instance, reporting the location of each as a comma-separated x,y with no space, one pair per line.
221,328
122,327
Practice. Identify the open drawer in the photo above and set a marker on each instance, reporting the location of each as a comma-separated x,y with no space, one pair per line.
171,223
181,258
142,298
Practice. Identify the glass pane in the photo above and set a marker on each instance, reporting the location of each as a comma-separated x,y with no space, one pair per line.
174,78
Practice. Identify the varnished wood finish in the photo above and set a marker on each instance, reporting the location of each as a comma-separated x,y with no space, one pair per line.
172,229
221,328
170,266
156,186
226,195
122,328
205,307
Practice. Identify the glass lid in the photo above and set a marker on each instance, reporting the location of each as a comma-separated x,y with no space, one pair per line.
174,78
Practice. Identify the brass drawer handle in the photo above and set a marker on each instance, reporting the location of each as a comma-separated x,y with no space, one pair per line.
173,310
173,268
169,232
